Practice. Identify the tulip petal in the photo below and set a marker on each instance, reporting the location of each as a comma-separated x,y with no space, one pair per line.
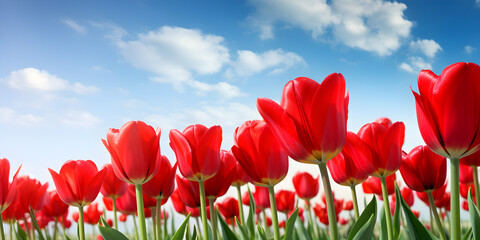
93,187
116,164
63,189
391,148
183,152
208,152
284,129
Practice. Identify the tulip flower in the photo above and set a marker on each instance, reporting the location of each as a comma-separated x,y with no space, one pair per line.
229,208
78,184
285,200
197,149
385,142
311,124
448,118
136,158
263,159
8,189
306,188
113,188
54,208
374,185
31,195
346,167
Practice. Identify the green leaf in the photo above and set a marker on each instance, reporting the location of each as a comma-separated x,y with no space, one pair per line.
194,234
303,230
104,223
251,215
365,223
243,230
468,235
396,214
21,235
35,224
226,231
261,232
109,233
415,228
383,235
474,216
289,227
181,230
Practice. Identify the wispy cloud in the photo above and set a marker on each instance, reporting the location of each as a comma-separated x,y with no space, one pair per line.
75,26
40,80
372,25
8,115
426,46
78,118
469,49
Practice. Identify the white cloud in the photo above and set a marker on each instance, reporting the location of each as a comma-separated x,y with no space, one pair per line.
77,118
8,115
74,25
40,80
478,2
249,63
174,53
415,65
100,68
427,46
469,49
371,25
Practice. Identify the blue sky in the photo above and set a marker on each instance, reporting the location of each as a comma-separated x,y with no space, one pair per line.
71,70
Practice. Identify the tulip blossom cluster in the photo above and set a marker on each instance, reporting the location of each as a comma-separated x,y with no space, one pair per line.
309,125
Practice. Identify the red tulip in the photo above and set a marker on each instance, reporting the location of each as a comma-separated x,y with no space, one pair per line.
416,213
13,213
384,121
311,120
92,214
444,202
178,203
373,185
305,185
472,159
465,174
342,221
135,151
346,167
8,189
108,203
189,195
259,153
464,190
285,200
148,202
31,193
163,183
241,177
197,149
112,186
338,203
423,170
54,207
321,213
447,111
386,147
261,198
229,208
122,218
465,205
78,182
348,205
218,185
127,203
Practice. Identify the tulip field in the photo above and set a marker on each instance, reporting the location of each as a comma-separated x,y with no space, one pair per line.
308,125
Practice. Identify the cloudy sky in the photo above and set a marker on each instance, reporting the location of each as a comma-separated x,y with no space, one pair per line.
69,71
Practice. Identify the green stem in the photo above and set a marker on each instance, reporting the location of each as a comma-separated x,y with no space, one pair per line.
475,181
11,229
1,228
273,207
441,231
203,209
240,206
115,221
135,226
81,224
455,198
332,216
310,219
159,218
265,222
388,215
213,217
154,223
431,221
355,202
141,212
55,230
198,226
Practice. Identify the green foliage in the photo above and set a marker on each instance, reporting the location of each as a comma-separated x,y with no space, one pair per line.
21,235
181,230
289,227
108,233
396,214
226,231
416,229
363,228
474,216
